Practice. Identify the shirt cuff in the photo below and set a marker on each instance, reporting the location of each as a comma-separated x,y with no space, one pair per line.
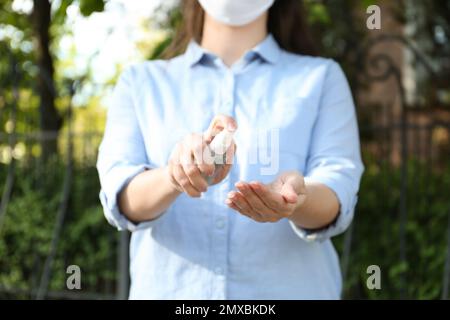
340,224
108,199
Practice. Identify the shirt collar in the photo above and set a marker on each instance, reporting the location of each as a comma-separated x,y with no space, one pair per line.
268,50
194,53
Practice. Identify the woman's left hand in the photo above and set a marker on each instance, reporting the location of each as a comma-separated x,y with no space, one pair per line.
271,202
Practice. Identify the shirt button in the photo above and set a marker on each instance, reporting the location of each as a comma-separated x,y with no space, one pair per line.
220,223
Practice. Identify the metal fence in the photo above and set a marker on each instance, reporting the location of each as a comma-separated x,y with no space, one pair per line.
404,132
395,140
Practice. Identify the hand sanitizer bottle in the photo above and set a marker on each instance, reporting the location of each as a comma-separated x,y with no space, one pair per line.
219,146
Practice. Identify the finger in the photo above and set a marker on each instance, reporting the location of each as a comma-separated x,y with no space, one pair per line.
230,203
225,168
233,206
219,174
273,200
172,164
195,177
288,193
182,179
202,155
296,180
253,199
219,123
236,207
172,178
242,203
229,154
192,172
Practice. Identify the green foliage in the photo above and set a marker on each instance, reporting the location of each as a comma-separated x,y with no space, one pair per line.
87,7
318,12
376,238
17,45
86,239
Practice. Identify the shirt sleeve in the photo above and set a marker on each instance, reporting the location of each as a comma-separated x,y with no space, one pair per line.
334,156
122,153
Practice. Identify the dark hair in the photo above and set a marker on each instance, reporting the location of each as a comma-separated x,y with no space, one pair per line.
286,22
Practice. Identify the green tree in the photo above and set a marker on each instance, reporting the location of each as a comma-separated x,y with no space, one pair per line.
36,28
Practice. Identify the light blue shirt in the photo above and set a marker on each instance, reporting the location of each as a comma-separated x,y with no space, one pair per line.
199,248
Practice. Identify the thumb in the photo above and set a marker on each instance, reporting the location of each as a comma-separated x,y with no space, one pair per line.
293,186
219,123
288,192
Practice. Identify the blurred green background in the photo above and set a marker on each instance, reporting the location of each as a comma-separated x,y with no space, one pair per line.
59,61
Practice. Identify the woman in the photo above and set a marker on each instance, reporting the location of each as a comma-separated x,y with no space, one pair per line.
261,229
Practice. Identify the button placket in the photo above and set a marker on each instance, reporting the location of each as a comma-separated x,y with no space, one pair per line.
220,221
228,94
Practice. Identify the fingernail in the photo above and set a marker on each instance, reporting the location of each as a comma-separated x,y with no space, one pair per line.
231,126
254,184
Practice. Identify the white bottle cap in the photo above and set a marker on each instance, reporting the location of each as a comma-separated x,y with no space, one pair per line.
221,142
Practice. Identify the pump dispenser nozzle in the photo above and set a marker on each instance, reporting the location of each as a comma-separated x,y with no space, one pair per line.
219,146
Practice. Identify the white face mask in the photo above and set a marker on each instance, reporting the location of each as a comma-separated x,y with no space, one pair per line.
235,12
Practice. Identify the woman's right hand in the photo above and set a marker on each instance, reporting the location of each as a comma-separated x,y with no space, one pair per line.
191,160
